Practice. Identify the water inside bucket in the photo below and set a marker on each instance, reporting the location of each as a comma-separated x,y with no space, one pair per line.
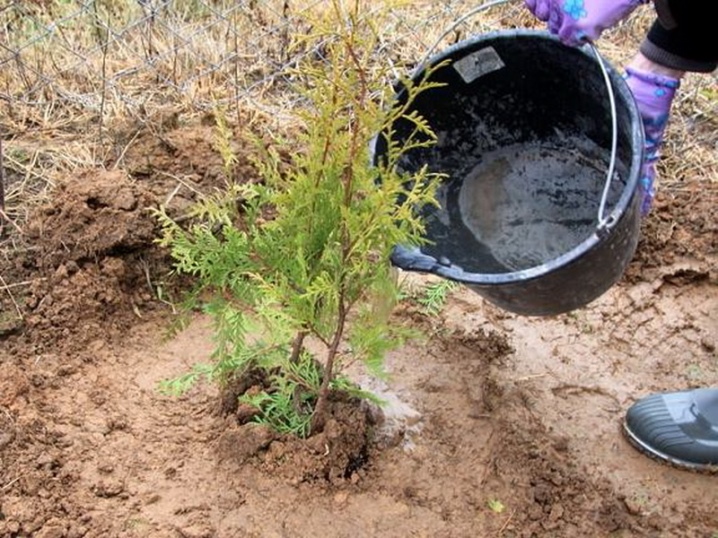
521,206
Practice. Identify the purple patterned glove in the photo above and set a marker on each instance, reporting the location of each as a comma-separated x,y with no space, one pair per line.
653,94
578,21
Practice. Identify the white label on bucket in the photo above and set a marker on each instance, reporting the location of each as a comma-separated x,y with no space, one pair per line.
478,64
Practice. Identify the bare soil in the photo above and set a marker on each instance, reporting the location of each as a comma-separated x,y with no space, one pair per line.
496,424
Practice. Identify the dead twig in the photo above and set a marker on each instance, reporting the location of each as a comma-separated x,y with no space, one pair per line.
24,283
173,194
506,523
2,193
10,484
126,149
12,297
4,216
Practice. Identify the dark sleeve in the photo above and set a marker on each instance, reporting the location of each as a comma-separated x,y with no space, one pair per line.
683,36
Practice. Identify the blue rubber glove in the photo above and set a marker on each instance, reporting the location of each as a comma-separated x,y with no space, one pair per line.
653,94
578,21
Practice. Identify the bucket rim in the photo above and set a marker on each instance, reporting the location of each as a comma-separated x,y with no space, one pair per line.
628,198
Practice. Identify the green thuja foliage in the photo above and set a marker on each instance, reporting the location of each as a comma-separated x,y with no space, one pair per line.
304,255
434,296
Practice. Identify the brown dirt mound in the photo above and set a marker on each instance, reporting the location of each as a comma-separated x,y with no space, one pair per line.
683,225
93,267
93,262
335,455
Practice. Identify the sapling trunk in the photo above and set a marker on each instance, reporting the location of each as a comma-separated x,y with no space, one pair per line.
320,410
347,178
297,347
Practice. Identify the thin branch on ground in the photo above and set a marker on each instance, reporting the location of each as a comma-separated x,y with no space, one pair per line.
2,192
506,523
4,217
23,283
10,484
12,297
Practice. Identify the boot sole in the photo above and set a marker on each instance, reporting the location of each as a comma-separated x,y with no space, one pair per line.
665,458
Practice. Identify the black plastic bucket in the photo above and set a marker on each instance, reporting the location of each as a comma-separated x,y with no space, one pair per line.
524,128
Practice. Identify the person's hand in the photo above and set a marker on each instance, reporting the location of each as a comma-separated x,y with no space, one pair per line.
578,21
653,94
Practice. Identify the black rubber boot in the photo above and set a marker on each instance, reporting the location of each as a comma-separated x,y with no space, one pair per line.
677,427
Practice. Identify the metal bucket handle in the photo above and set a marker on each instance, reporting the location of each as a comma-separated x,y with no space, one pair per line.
604,221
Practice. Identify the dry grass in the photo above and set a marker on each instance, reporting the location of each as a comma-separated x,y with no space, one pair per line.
66,90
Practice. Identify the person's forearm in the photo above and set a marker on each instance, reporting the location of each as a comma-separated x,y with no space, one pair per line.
641,63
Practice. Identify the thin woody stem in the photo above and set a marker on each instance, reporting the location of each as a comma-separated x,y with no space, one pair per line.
320,410
2,191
